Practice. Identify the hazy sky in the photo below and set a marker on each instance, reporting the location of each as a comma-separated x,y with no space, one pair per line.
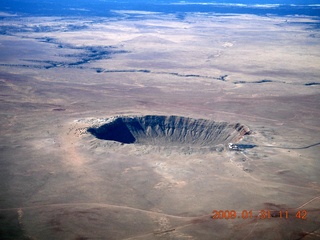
155,1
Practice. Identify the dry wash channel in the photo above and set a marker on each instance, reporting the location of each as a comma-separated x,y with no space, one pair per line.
169,131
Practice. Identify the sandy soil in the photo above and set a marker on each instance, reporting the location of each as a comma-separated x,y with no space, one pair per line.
60,182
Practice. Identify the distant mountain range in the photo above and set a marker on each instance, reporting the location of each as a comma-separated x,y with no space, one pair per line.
105,7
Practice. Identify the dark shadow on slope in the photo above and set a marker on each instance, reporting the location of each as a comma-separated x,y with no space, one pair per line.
115,131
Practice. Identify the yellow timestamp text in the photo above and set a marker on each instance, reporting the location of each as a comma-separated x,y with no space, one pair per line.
261,214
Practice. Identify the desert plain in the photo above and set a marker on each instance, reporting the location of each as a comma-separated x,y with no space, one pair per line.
61,76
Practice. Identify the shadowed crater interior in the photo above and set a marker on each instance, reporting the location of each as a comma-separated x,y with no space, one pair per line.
169,131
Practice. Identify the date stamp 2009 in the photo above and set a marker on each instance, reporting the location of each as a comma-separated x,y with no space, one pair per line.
261,214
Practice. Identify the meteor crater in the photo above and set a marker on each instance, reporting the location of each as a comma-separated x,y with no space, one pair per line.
169,131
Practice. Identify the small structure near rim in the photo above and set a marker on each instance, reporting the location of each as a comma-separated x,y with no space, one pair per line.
240,147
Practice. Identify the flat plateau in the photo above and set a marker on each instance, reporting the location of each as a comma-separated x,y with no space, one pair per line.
58,181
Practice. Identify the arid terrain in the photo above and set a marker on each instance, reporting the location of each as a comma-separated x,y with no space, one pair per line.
221,73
